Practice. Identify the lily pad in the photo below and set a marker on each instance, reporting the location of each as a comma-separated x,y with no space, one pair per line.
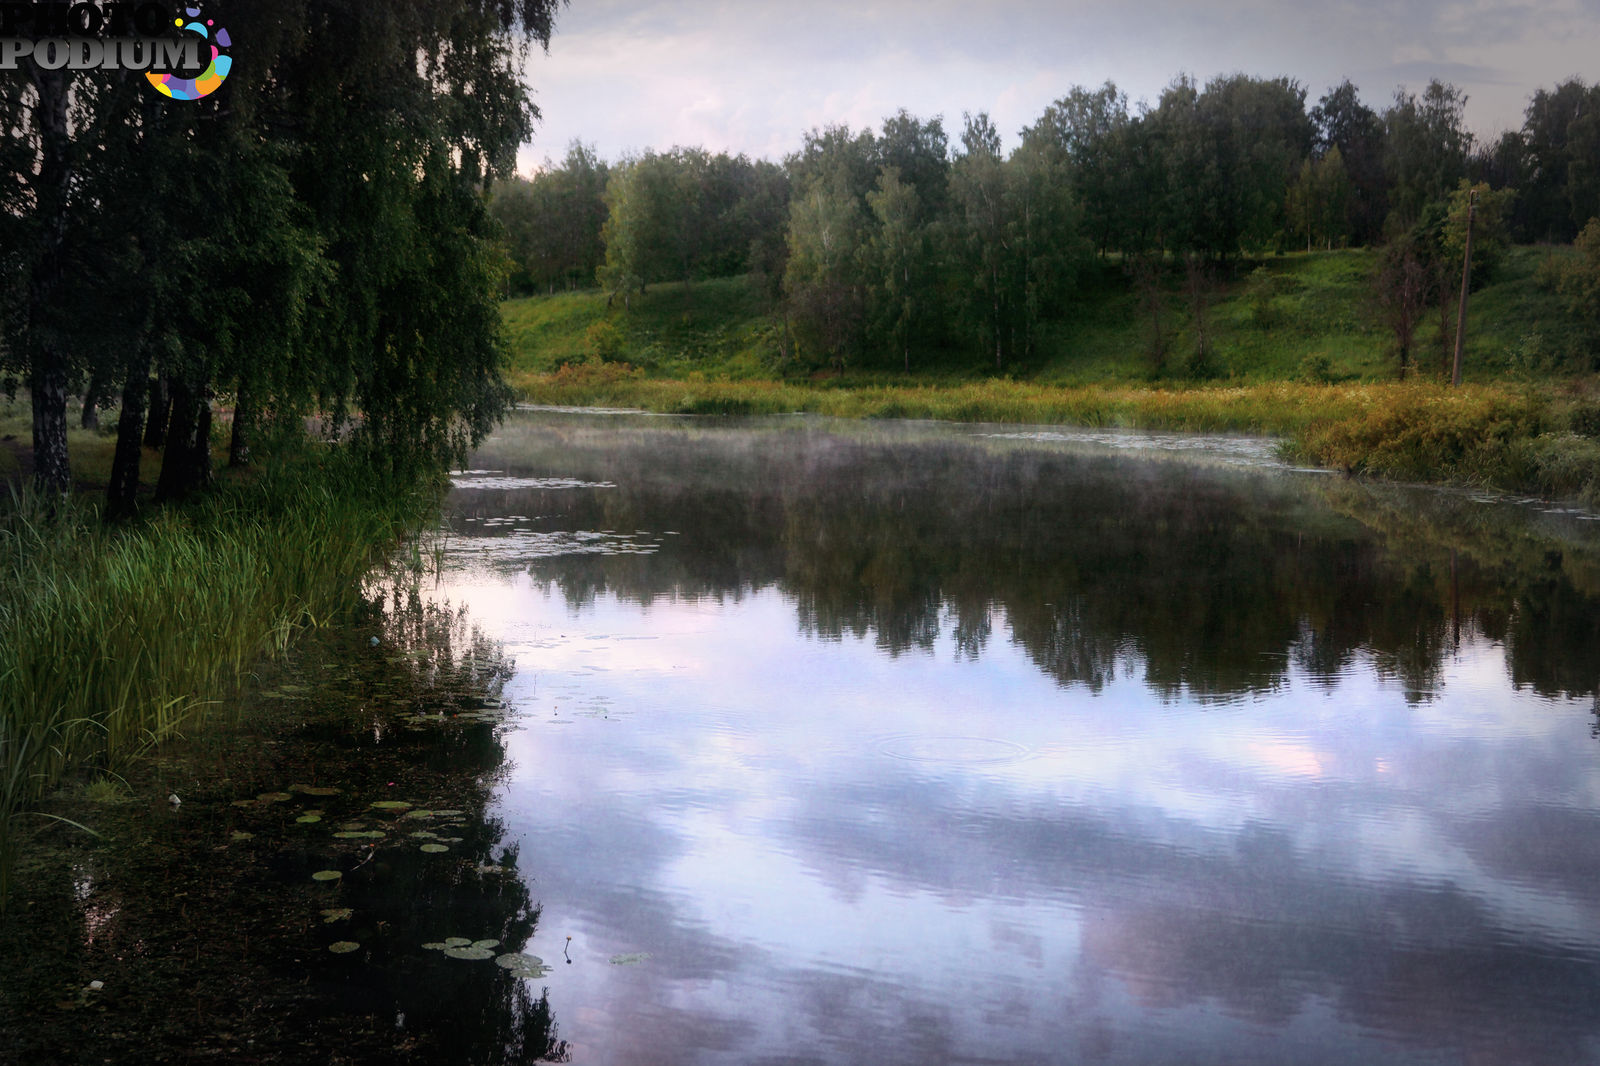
245,803
418,814
314,790
343,947
336,914
390,805
434,849
353,827
448,814
457,942
307,819
369,834
274,797
239,834
326,875
436,945
486,943
469,953
423,834
630,959
523,965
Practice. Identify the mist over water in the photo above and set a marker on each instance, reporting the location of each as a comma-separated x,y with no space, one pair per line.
918,743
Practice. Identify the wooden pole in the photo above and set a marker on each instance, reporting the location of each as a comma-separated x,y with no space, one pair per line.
1466,278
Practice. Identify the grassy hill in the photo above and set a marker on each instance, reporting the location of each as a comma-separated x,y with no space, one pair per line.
1302,317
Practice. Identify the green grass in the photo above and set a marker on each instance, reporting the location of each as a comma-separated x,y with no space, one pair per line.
1264,324
112,638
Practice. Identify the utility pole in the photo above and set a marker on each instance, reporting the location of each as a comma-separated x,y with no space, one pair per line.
1466,278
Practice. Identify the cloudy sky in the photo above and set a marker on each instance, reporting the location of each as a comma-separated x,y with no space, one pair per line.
751,75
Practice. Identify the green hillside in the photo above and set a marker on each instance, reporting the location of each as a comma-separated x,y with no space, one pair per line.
1294,317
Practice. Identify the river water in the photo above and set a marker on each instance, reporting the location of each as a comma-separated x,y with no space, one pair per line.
881,743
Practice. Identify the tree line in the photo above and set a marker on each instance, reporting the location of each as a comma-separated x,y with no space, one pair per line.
877,244
312,236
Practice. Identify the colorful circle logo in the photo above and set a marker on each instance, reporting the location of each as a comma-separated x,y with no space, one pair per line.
210,79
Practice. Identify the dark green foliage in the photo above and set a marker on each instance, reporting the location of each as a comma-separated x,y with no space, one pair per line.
1561,142
313,233
1425,148
552,224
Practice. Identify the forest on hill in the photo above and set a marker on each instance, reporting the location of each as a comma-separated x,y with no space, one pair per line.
884,248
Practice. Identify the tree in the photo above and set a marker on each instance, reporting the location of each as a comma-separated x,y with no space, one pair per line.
1230,154
823,277
1561,136
1318,203
1083,129
1491,232
1426,144
1579,282
1344,123
979,194
553,223
1403,285
897,251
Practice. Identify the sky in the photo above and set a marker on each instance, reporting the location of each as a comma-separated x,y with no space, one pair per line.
752,76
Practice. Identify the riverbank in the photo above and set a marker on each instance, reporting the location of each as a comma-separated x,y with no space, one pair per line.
1521,438
1296,348
115,638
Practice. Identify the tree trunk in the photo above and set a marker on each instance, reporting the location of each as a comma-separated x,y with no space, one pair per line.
155,431
239,440
48,386
122,493
92,398
200,457
47,363
178,476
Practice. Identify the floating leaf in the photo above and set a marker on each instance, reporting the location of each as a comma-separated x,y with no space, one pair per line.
436,946
353,827
390,805
308,818
629,959
434,849
457,942
486,943
336,914
423,834
370,834
326,875
469,953
448,814
523,965
239,834
314,790
343,947
418,814
244,803
274,797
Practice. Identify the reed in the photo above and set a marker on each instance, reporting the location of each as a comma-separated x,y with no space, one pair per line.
113,639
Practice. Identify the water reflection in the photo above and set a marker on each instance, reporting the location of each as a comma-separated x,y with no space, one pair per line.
428,742
911,744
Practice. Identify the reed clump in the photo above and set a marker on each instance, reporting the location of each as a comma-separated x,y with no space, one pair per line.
113,638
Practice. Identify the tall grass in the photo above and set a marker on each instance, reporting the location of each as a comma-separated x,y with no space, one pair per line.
112,639
1277,407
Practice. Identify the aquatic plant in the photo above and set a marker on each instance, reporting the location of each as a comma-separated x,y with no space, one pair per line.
113,639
